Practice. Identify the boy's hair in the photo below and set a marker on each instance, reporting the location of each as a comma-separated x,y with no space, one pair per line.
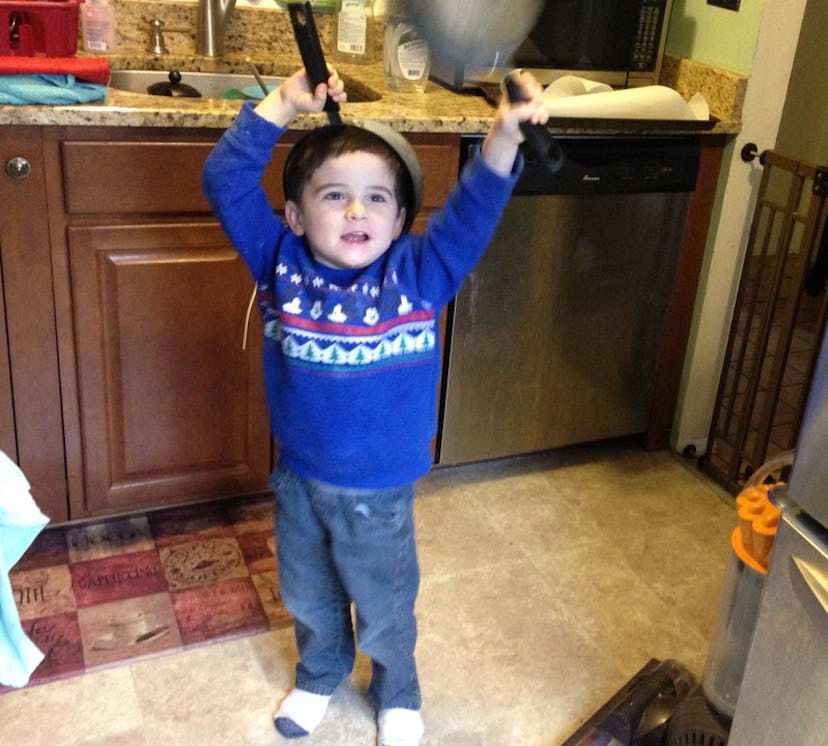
332,141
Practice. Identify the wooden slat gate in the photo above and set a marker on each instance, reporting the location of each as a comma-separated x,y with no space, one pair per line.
777,325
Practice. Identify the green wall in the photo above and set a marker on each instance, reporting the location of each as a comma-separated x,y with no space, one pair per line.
715,36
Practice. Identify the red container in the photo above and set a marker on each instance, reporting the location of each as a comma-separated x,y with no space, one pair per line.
38,28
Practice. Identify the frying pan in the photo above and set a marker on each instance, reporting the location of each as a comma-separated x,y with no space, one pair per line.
480,33
307,39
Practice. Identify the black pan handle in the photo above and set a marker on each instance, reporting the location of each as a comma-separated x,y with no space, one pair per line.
307,39
539,137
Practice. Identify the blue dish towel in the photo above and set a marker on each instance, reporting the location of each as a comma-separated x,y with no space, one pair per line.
20,522
48,89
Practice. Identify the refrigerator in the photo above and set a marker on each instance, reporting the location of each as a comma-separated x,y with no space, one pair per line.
784,693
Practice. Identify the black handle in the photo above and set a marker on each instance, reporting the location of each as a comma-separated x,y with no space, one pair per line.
539,138
307,39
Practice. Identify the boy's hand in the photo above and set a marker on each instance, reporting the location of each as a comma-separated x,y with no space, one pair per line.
296,96
501,144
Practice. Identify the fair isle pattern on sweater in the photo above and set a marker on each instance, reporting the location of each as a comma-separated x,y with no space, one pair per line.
334,330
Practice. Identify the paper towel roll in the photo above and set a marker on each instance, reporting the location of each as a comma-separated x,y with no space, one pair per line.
576,97
572,85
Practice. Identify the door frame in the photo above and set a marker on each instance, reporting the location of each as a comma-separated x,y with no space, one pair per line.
776,45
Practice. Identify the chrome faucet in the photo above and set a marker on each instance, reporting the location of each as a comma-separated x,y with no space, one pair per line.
157,44
211,25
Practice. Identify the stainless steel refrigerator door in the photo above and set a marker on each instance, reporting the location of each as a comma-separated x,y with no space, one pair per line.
809,479
784,694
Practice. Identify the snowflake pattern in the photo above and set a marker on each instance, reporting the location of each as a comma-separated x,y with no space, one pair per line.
333,329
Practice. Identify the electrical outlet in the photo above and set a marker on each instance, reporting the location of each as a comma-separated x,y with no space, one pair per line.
729,4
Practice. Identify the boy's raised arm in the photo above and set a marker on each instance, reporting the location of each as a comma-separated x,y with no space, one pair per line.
501,144
295,96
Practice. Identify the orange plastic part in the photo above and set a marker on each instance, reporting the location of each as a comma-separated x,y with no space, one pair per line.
752,540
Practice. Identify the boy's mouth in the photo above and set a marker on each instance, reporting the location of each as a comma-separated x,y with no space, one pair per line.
356,237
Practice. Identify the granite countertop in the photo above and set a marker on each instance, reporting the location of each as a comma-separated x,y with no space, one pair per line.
436,110
268,41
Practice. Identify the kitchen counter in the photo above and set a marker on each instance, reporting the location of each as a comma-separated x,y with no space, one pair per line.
438,110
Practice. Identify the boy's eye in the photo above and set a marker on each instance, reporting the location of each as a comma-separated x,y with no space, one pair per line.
334,196
378,197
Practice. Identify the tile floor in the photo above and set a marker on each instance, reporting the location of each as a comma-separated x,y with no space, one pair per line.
548,581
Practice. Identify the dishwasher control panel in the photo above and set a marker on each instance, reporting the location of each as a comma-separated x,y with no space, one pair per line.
611,165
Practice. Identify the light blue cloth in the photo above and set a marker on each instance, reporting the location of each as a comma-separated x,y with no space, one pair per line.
48,89
20,522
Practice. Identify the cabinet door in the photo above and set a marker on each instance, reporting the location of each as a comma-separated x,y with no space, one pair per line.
171,402
31,431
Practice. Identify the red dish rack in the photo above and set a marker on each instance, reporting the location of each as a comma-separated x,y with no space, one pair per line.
38,28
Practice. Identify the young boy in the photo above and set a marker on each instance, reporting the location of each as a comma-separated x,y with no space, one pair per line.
351,304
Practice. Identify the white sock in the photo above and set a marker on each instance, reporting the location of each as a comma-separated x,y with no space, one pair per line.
300,713
399,727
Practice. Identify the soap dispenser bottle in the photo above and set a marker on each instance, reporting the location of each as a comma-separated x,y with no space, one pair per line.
98,24
355,32
406,56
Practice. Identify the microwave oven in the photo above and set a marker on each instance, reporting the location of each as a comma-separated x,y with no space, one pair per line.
617,42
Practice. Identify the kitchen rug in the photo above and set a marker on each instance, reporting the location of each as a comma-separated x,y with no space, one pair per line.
102,593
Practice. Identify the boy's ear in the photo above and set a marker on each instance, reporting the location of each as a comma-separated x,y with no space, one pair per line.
294,218
399,222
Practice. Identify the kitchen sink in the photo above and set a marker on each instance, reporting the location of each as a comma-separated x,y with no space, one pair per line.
213,85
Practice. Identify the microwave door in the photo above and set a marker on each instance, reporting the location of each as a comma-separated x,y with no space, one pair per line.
808,486
582,35
584,61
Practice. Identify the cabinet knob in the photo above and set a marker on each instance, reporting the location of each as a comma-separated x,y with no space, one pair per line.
18,167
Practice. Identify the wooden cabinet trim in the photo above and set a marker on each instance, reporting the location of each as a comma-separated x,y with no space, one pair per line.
683,298
30,328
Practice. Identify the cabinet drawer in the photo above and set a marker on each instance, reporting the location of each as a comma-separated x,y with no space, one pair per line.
144,177
165,177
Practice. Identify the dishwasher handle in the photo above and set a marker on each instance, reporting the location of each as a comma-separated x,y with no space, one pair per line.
538,137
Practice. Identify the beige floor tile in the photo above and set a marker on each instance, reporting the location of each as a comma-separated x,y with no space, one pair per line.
454,533
101,707
218,692
497,648
623,615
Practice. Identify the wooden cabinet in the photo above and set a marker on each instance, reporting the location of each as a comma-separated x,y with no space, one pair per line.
161,370
171,401
132,378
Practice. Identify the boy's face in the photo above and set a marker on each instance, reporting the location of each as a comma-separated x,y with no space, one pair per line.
348,211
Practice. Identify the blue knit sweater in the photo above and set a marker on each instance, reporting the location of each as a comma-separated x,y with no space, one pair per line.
351,357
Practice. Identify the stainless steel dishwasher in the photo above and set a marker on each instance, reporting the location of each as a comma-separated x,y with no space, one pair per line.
554,338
